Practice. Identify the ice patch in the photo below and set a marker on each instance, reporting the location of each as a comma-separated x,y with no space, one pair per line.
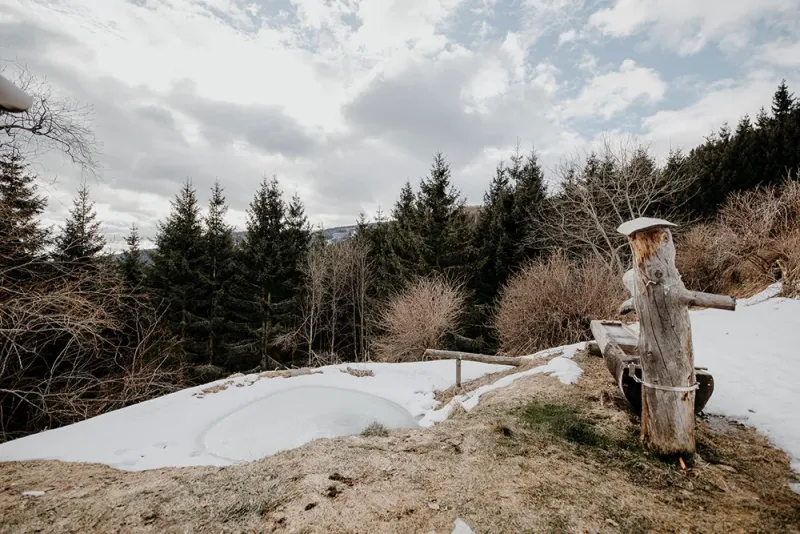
296,416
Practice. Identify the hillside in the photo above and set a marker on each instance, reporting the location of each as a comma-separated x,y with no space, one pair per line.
551,455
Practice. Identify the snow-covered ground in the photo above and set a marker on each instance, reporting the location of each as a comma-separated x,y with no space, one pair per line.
754,357
249,419
751,353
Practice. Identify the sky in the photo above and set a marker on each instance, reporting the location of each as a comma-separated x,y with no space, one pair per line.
345,100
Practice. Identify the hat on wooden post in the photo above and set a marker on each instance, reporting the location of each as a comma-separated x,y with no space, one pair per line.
641,223
12,98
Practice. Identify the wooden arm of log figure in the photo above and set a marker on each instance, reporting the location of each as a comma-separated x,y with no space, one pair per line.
692,298
708,300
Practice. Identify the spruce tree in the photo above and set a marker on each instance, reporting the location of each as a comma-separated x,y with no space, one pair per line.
175,274
21,238
265,274
80,240
529,207
217,272
130,262
494,237
444,230
404,237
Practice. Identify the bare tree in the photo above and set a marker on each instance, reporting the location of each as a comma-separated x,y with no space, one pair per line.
50,123
600,192
74,345
314,291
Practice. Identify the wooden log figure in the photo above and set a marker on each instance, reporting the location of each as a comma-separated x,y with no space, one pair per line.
665,339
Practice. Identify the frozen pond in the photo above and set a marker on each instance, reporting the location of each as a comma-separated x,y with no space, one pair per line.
290,418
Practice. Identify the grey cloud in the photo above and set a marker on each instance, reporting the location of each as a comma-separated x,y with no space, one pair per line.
267,128
422,111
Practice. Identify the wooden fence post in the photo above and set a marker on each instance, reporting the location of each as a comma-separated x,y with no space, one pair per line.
665,338
458,372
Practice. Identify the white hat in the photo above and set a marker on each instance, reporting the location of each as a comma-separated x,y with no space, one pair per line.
13,99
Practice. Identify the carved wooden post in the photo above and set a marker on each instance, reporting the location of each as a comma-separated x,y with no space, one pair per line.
665,338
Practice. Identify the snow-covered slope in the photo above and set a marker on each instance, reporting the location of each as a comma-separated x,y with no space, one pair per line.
249,419
754,357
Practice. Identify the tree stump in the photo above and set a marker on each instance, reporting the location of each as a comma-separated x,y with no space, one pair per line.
665,339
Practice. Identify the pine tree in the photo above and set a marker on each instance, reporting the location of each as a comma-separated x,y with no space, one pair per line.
494,236
444,230
529,207
80,240
782,103
130,262
404,237
21,238
217,271
175,275
265,273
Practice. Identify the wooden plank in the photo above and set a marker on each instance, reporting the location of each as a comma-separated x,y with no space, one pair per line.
665,344
434,354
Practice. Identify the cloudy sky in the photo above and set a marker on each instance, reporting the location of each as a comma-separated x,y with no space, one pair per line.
347,99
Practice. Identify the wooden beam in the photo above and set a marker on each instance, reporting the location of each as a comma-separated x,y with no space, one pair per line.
434,354
665,343
709,300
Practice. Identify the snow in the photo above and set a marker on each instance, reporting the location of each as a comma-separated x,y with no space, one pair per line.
316,411
753,356
35,493
460,527
561,367
249,419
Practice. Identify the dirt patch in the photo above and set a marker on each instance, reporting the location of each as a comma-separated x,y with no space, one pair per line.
499,467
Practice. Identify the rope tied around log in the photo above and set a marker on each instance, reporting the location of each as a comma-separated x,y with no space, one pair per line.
632,374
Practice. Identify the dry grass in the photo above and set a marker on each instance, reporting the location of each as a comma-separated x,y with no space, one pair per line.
754,241
359,373
375,430
502,467
551,303
419,318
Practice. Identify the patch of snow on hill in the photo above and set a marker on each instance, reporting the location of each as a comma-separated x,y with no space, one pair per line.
753,356
249,418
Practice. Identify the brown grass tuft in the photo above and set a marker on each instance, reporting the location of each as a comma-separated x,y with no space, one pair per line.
419,318
359,373
552,303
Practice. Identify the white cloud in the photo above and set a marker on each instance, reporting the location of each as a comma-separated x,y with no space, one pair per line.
567,36
607,94
784,54
722,101
687,26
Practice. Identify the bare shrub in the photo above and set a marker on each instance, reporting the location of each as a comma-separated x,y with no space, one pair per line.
754,240
375,430
74,345
420,318
551,303
699,261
